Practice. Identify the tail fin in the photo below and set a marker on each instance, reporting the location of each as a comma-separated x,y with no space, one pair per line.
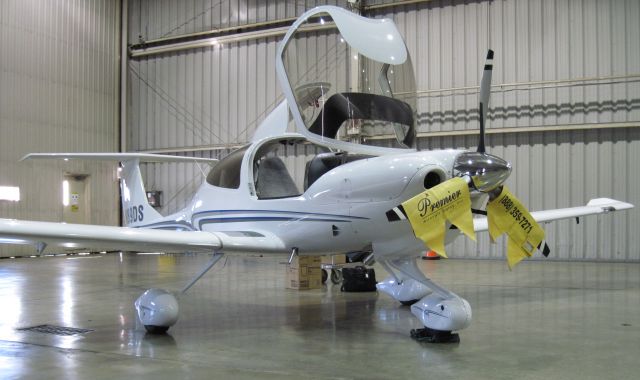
136,210
135,206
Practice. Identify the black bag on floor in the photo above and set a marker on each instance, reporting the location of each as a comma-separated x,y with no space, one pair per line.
358,279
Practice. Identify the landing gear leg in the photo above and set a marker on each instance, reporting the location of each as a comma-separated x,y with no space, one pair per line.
214,259
441,312
403,289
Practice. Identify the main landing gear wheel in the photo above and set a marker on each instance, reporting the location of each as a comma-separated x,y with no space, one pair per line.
324,276
156,329
434,336
157,310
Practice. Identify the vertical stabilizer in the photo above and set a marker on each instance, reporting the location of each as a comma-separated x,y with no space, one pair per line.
136,210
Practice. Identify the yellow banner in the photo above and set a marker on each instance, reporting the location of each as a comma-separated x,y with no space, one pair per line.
507,214
429,211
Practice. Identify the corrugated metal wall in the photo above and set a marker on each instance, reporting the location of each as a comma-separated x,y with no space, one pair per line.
216,96
58,92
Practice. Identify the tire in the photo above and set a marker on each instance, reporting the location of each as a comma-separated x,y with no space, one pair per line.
156,329
408,303
324,276
336,276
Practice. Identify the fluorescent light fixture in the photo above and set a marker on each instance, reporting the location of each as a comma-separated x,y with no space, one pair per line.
65,193
12,241
10,193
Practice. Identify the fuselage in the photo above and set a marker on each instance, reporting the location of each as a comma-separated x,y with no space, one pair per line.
343,211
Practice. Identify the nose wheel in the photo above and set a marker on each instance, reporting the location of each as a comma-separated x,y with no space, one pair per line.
434,336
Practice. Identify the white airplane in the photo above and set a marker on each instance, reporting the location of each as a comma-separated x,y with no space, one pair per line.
347,201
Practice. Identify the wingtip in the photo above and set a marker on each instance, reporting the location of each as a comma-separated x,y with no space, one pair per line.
610,203
29,156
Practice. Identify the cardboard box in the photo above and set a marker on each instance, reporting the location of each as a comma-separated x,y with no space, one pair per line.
298,281
337,259
305,261
304,273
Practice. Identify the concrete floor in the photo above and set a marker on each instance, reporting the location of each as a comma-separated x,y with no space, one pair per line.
545,320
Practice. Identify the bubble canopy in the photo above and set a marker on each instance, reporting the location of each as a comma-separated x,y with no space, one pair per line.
344,75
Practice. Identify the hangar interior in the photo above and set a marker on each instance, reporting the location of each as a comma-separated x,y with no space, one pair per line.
195,78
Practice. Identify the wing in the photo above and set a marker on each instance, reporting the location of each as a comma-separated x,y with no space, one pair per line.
595,206
142,157
100,238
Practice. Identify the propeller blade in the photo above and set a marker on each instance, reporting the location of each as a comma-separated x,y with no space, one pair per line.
485,90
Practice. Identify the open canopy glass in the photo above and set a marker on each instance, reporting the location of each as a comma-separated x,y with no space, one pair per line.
349,76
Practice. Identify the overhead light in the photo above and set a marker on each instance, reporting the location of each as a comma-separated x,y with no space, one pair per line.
12,241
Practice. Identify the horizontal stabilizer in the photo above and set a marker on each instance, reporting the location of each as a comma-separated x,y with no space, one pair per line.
141,157
595,206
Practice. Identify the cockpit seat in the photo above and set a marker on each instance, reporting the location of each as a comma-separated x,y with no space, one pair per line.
273,180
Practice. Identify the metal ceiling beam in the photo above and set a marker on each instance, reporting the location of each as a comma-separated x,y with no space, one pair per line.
220,41
219,36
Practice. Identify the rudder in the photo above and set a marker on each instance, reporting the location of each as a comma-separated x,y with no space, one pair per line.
136,210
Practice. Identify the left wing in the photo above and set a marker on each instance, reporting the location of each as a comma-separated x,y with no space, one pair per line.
142,157
100,238
595,206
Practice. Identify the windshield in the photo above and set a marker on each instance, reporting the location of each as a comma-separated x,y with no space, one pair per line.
341,93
